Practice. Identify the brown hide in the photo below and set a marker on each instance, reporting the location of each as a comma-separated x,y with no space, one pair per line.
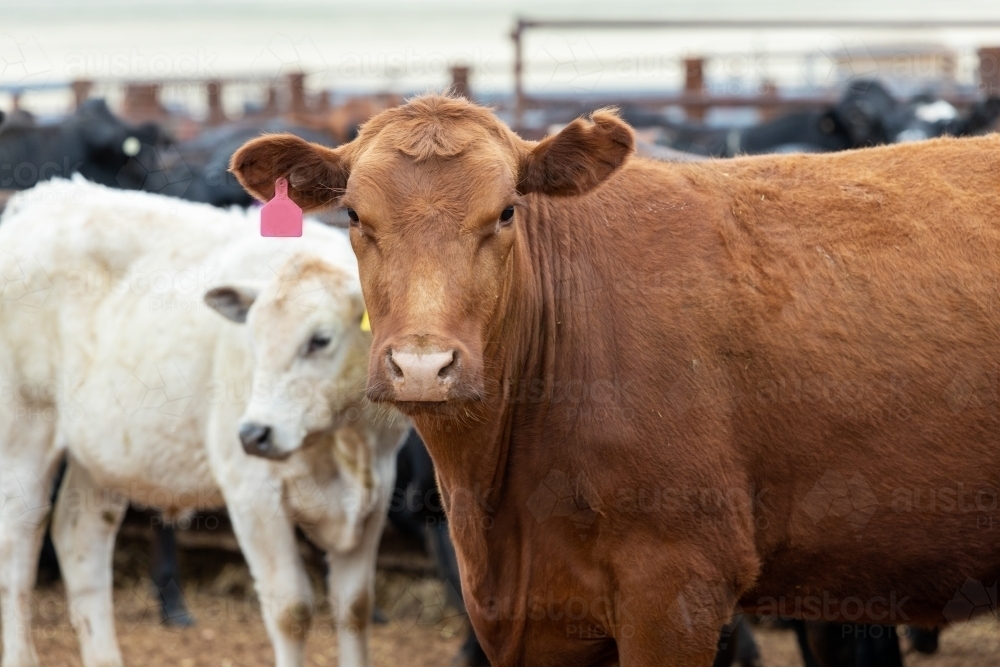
770,381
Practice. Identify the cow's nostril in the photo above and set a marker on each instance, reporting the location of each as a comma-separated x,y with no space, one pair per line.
394,369
256,438
448,368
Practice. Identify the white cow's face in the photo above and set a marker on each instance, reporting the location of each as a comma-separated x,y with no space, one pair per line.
310,355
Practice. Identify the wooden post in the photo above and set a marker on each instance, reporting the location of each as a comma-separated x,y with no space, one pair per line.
323,101
142,102
216,116
694,86
271,107
81,91
989,71
518,76
460,81
297,92
767,91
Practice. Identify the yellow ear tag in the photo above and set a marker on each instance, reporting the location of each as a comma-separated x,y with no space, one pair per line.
365,324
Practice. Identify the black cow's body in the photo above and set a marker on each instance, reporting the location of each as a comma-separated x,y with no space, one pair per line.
866,115
91,142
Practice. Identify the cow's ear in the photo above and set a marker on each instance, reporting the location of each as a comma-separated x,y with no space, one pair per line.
579,158
316,175
232,301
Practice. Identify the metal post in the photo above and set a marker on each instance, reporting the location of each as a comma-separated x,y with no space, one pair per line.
460,81
216,116
694,86
518,74
297,90
989,70
81,91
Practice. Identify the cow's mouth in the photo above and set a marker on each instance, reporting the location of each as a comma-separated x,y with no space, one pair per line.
458,407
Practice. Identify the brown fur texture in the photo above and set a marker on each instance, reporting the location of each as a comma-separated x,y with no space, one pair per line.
767,381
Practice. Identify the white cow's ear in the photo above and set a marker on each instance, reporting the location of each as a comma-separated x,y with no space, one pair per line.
232,301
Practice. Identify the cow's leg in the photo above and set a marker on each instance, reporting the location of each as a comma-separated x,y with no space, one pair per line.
267,538
832,644
670,616
879,647
924,640
84,528
28,458
747,653
737,645
351,587
802,638
167,577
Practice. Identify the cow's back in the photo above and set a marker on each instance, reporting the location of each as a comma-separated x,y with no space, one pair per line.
69,244
162,364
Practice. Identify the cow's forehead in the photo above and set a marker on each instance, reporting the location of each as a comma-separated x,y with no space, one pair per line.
391,185
302,291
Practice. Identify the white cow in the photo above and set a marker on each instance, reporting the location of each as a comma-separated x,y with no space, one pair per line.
108,352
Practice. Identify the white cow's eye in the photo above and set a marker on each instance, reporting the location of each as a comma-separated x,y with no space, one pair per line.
317,342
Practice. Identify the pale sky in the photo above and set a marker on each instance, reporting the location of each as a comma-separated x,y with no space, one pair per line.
403,45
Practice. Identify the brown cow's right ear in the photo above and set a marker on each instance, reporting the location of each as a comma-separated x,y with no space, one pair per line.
316,175
579,158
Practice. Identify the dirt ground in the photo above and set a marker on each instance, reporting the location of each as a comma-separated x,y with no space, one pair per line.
420,629
230,633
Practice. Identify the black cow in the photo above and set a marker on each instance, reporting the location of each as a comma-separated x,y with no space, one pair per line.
866,115
91,142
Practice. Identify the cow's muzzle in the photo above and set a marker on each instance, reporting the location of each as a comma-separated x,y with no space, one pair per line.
258,440
421,369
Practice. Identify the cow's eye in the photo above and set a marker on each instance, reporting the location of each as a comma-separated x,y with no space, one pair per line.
353,215
507,215
317,342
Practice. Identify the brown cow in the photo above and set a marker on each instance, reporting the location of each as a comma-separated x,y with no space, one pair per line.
655,391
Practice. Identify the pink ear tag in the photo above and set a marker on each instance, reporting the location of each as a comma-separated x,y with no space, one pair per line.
281,216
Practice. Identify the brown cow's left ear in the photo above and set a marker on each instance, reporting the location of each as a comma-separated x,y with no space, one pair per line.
579,158
316,175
